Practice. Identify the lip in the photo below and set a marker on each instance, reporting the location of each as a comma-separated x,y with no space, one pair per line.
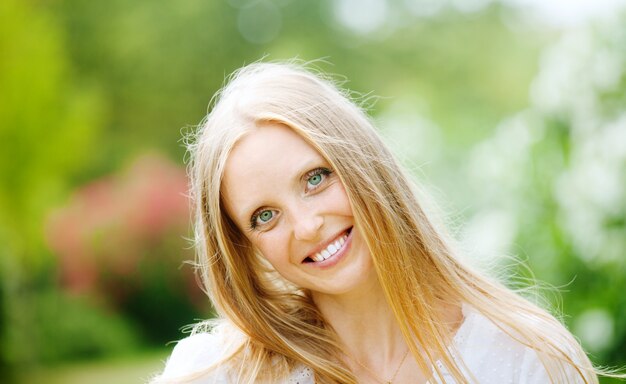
334,259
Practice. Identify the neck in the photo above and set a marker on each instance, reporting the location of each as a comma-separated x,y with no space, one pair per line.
367,328
364,322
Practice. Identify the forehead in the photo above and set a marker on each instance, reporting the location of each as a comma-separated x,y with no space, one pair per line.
263,160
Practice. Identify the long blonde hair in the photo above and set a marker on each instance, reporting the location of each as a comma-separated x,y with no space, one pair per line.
416,267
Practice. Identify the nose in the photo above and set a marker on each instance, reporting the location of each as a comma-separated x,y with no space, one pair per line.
307,223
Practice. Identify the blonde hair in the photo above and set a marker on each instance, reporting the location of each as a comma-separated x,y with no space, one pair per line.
414,263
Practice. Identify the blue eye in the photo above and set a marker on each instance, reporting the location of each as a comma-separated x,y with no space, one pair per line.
266,216
316,177
262,217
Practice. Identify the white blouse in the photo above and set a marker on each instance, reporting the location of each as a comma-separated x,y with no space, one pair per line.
490,354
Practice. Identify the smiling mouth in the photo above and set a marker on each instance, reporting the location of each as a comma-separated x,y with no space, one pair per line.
330,250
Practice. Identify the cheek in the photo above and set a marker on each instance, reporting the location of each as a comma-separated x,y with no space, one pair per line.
273,247
339,201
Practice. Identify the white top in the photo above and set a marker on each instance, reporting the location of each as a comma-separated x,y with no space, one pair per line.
490,354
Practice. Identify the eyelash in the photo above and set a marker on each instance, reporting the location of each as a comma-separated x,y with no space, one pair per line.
316,172
312,173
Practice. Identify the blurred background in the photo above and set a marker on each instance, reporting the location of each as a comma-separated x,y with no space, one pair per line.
511,113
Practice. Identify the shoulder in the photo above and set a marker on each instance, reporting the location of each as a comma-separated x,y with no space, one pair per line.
200,357
494,355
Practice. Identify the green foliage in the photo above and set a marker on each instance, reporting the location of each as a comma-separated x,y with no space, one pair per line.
47,127
557,172
71,328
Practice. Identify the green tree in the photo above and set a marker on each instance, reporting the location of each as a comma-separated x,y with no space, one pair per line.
48,126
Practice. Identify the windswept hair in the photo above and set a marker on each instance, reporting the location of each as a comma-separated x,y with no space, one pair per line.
280,326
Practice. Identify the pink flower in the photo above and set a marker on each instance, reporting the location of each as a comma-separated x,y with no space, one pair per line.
119,227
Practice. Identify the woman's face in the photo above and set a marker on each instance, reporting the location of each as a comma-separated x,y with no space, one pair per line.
291,205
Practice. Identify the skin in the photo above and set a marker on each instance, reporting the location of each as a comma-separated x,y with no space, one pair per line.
274,191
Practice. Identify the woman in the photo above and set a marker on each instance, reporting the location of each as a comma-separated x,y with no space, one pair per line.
324,268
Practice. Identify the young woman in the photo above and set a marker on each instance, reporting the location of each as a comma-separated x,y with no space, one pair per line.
324,268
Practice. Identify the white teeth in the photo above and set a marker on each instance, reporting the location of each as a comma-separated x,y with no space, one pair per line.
330,250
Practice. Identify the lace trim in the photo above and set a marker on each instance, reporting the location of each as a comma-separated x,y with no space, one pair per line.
302,375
